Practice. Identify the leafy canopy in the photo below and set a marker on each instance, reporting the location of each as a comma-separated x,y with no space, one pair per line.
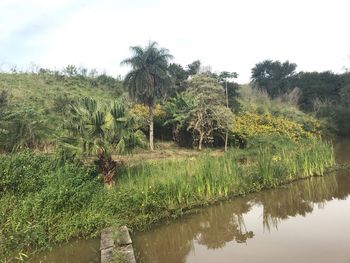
149,78
201,109
273,76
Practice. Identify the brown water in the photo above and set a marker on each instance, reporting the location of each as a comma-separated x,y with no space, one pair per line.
80,251
306,221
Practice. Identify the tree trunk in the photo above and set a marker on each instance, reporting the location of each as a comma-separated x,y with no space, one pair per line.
226,135
151,128
107,166
226,141
108,181
200,141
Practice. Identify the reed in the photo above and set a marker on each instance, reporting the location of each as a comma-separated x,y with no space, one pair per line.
181,184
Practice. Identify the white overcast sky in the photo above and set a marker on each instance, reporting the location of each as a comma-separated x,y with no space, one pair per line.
231,35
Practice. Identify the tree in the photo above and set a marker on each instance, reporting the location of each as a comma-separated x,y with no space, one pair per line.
318,85
273,76
224,77
179,109
149,78
209,112
70,71
179,76
193,68
98,130
345,94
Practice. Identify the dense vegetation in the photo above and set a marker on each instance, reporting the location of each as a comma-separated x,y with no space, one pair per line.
63,136
324,94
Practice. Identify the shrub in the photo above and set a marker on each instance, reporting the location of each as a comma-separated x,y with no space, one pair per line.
3,98
23,173
250,124
42,203
61,103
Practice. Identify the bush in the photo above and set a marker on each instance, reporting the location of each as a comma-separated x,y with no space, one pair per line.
3,98
22,129
42,203
61,103
342,119
248,124
23,173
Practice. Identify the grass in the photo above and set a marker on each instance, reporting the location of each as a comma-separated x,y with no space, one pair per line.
56,203
164,187
48,94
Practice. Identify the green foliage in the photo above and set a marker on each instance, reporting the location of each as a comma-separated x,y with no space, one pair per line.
177,110
70,71
200,110
61,104
43,203
261,117
99,130
187,183
3,98
341,118
23,173
230,87
41,101
149,78
345,94
226,76
193,68
331,100
111,83
273,76
209,112
317,85
22,129
180,76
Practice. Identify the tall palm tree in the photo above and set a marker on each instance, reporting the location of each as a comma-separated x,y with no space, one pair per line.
148,79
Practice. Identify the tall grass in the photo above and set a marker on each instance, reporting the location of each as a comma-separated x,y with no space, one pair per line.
180,185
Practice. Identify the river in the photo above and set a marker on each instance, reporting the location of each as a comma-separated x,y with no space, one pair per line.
306,221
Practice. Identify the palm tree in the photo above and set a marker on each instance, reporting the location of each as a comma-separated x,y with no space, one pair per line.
21,129
149,78
96,130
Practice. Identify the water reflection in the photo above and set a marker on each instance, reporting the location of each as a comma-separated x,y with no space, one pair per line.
212,227
224,223
342,148
81,251
295,199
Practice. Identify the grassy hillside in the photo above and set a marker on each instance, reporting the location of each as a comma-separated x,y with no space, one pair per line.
44,97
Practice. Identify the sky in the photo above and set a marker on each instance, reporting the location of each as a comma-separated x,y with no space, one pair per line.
227,35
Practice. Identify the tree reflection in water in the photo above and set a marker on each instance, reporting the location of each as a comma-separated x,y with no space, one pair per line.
217,225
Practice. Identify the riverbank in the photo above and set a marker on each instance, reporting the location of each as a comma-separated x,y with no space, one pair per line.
259,227
43,203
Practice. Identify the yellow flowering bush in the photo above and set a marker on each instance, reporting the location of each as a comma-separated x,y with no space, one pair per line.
251,124
141,111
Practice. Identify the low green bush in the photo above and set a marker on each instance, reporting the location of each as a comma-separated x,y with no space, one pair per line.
23,172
